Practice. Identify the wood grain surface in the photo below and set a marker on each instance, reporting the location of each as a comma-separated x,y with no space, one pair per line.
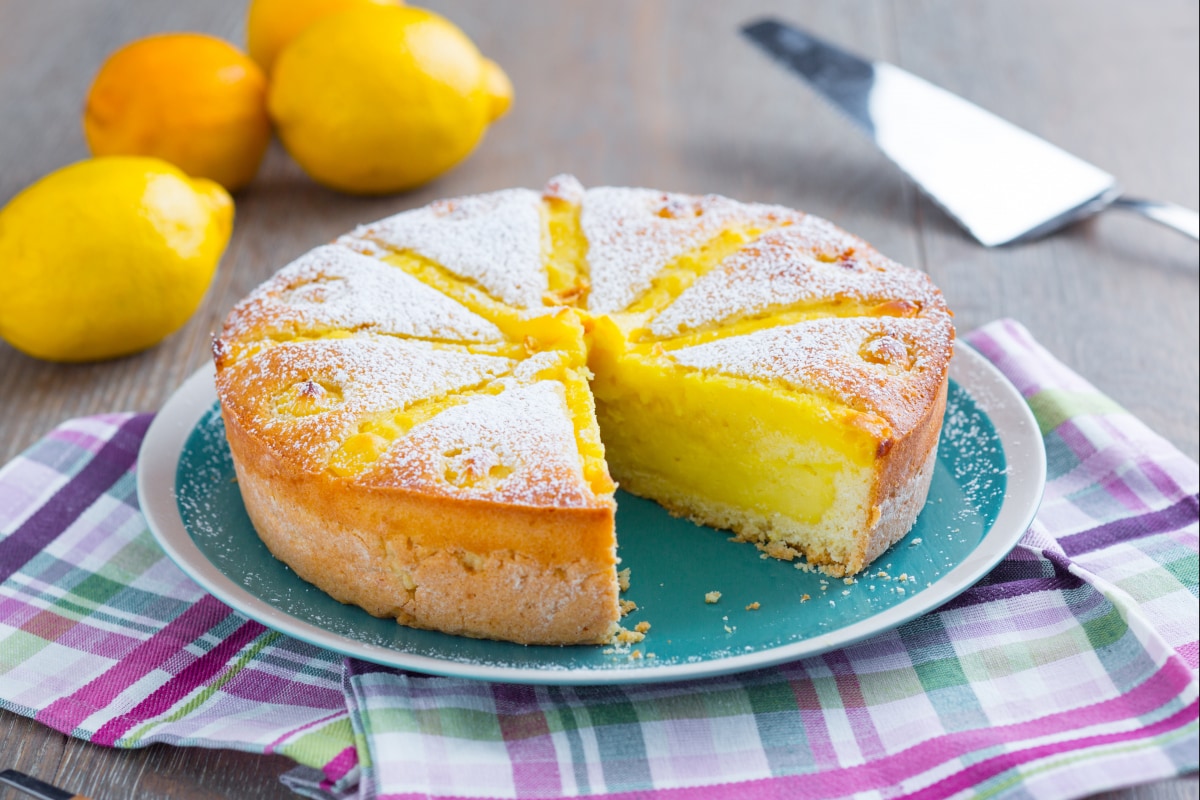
665,94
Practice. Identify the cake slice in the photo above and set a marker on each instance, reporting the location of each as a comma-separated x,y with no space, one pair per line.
406,455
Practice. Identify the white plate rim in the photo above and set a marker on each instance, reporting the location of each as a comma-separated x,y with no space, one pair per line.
1015,425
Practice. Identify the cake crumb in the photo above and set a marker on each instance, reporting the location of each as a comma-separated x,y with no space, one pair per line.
780,550
627,607
753,606
626,636
636,655
849,581
623,579
884,575
804,598
642,627
712,597
904,577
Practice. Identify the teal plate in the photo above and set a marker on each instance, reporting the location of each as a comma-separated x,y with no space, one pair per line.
986,488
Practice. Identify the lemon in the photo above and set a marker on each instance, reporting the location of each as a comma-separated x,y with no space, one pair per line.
380,99
187,98
272,24
107,257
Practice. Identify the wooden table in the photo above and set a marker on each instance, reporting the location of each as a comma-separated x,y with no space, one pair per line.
665,94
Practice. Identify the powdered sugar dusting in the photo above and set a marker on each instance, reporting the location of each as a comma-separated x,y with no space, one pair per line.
633,234
492,239
515,447
356,242
531,368
891,366
564,187
334,288
803,263
305,398
827,241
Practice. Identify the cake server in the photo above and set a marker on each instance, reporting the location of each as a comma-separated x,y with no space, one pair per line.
35,788
1001,183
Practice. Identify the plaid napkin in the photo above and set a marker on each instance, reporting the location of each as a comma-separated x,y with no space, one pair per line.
1071,669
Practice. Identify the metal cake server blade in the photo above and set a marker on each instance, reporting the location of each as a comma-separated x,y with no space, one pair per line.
1001,183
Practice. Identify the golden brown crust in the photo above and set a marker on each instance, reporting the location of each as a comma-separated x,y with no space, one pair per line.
906,462
901,457
897,512
488,570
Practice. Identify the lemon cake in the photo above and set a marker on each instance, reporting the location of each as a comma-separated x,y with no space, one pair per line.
424,415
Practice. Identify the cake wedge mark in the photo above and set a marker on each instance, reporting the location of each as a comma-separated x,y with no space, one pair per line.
794,267
333,288
633,234
376,433
308,396
492,240
464,291
888,366
677,275
843,308
517,445
566,250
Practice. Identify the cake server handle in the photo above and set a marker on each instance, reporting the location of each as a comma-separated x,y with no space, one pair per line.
32,786
1181,219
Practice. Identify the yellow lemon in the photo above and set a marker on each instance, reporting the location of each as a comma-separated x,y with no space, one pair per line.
187,98
379,100
272,24
107,257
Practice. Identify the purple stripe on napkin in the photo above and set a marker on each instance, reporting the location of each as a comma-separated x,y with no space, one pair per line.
975,774
198,673
55,516
168,644
526,737
1185,512
1013,589
890,771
